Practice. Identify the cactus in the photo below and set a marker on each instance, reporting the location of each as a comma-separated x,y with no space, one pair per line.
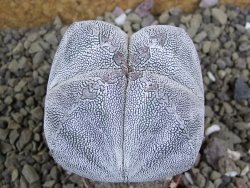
122,109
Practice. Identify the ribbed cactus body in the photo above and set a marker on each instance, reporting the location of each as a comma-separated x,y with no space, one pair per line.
122,109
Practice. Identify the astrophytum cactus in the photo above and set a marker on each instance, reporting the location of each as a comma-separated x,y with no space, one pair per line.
122,109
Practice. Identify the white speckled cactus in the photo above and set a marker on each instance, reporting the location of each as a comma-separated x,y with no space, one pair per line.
124,110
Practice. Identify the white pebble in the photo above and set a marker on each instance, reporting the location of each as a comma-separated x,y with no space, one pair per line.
247,25
245,170
211,76
235,155
121,19
208,3
128,11
212,129
189,178
231,173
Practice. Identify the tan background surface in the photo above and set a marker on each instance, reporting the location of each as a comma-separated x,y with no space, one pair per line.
30,13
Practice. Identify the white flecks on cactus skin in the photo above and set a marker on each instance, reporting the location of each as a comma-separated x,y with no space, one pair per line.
124,112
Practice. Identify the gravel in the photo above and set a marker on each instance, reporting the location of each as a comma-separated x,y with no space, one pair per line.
222,42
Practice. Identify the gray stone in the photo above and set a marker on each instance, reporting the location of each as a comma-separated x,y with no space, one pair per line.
194,25
200,36
14,174
200,180
175,11
35,47
4,133
221,63
69,185
25,137
37,137
217,183
23,63
209,184
32,36
19,96
8,100
136,26
11,160
213,31
51,38
215,45
215,175
214,151
127,26
5,147
57,22
232,14
241,90
206,46
54,173
76,179
40,91
109,17
23,183
29,101
241,183
13,125
134,18
219,15
63,30
13,136
37,113
147,21
163,18
230,137
19,47
228,108
30,173
20,85
2,158
45,45
18,117
38,59
186,19
226,164
57,185
49,183
3,89
244,46
208,111
242,125
240,63
13,66
35,184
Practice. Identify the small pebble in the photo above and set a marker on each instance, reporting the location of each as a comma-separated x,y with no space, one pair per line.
219,15
245,170
30,174
235,155
163,18
121,19
189,178
208,3
212,129
211,76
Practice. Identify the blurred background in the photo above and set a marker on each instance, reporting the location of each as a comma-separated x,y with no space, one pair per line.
30,32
